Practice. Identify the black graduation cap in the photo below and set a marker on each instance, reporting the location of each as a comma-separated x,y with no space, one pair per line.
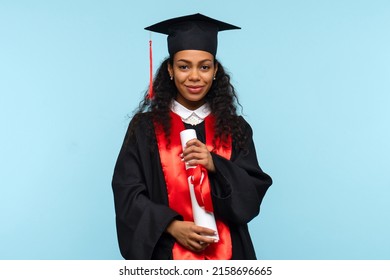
192,32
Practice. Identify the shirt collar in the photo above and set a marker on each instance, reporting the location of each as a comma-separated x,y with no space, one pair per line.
202,112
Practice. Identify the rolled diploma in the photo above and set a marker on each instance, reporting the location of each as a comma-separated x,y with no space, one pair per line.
202,217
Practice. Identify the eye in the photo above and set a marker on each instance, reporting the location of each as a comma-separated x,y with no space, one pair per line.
205,67
183,67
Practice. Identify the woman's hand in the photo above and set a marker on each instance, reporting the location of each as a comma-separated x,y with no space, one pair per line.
190,235
196,153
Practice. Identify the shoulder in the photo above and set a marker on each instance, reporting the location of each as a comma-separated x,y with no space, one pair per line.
140,120
244,125
140,126
242,120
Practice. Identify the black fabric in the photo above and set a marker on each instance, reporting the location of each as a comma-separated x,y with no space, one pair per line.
192,32
141,201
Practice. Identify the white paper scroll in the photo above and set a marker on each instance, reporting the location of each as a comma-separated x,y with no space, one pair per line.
201,216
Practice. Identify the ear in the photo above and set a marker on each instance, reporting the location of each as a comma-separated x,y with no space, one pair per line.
216,69
170,70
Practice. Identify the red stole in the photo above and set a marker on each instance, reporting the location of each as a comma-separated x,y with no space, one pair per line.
178,190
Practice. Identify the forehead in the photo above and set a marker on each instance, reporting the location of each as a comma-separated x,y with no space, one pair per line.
193,56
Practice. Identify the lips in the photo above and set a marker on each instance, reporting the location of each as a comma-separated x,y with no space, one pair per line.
194,89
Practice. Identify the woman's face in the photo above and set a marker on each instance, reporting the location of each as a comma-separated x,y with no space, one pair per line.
193,72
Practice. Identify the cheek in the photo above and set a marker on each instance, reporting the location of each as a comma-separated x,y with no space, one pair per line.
177,83
179,77
208,77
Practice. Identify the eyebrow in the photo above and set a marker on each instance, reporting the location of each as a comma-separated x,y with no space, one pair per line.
187,61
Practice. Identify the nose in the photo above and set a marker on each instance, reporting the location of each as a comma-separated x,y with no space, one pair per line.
194,75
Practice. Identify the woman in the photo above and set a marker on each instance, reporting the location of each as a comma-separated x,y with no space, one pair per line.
152,202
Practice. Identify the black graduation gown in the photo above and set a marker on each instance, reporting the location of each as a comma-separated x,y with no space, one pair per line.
141,200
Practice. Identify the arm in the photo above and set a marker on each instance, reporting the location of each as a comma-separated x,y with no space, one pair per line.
142,214
239,185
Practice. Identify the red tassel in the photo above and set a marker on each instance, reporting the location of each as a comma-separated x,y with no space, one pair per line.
150,93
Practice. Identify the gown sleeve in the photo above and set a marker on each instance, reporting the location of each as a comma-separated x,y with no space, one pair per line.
239,185
142,214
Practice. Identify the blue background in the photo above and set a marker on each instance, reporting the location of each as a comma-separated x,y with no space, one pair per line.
312,76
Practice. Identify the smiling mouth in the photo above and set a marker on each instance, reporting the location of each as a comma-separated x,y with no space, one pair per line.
193,89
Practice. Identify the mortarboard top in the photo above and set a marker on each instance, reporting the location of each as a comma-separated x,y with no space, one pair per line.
192,32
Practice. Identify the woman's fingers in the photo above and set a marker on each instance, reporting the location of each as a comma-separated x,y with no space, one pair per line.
203,231
196,153
193,149
189,235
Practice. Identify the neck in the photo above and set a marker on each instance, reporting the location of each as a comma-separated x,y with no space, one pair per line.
190,105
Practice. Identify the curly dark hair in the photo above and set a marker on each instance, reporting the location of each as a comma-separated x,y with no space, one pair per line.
221,98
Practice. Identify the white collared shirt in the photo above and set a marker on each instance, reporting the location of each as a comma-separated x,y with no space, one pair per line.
188,116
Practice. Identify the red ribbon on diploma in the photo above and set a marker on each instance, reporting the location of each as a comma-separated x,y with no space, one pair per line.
201,187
